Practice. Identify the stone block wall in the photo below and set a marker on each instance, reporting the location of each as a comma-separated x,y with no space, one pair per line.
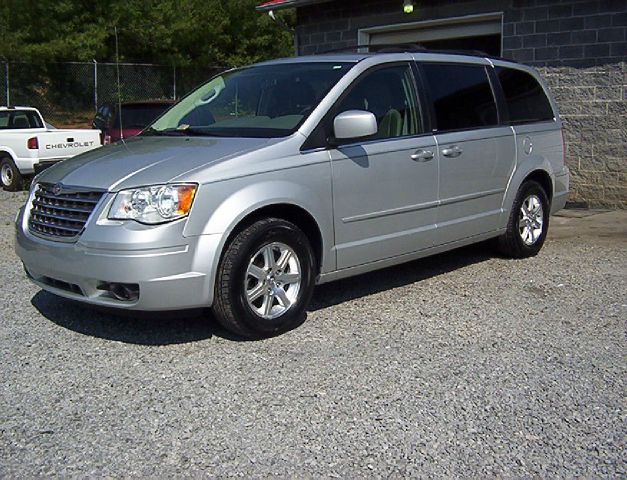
594,115
576,33
579,46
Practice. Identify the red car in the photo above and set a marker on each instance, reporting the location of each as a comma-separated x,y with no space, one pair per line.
135,117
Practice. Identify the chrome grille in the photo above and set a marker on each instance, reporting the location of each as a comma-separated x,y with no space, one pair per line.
62,213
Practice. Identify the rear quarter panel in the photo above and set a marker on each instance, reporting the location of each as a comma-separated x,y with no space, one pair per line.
538,147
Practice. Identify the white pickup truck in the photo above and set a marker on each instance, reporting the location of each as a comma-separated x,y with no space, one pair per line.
28,145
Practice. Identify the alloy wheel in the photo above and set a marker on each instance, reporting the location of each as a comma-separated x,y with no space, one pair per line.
273,280
531,220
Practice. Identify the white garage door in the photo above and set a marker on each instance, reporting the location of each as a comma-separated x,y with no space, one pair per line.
475,32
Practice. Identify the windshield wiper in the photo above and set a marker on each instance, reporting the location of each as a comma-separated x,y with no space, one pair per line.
168,132
186,132
209,133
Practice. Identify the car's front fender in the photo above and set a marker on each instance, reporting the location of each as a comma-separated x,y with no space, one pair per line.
221,206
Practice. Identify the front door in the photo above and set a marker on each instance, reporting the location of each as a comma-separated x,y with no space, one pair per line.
385,189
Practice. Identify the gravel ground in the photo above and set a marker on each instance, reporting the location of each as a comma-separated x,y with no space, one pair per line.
462,365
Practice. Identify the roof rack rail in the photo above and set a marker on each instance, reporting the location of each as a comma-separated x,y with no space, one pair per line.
396,47
411,47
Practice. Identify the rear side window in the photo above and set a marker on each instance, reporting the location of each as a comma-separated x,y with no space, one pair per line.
462,96
525,98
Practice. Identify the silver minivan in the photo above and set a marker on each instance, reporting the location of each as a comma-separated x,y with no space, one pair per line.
270,179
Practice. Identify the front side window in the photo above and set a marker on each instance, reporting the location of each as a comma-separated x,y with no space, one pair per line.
263,101
462,96
389,94
525,98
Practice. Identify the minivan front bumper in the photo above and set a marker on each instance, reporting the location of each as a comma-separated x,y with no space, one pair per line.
169,277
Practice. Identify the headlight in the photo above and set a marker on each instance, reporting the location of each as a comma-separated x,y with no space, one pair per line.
154,204
34,184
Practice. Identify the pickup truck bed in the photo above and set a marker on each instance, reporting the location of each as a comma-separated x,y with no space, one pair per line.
27,146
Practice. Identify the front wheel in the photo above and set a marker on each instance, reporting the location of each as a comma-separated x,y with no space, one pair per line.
10,175
528,222
265,279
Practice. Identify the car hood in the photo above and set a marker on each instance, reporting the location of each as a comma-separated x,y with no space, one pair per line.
146,160
126,133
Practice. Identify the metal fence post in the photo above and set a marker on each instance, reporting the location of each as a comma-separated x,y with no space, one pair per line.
174,83
95,84
6,72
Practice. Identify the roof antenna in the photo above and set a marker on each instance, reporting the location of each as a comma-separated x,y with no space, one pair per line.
117,68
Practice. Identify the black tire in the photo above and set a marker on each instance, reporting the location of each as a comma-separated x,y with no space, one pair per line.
511,243
231,305
10,176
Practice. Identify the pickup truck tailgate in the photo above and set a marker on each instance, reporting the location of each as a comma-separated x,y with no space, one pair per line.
61,144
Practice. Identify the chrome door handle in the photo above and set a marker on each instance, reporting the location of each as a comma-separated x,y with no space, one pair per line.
422,155
453,151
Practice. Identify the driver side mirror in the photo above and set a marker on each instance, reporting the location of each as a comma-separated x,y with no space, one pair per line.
354,124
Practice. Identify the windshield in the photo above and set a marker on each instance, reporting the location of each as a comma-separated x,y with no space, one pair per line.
264,101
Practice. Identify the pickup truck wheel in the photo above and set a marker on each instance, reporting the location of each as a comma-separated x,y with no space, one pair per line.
528,222
265,280
10,175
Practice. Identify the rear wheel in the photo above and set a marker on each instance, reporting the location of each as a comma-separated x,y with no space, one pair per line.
9,175
265,279
528,222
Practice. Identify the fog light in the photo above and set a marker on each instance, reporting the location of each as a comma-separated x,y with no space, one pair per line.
124,292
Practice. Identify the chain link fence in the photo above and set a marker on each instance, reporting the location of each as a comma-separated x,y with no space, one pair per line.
68,94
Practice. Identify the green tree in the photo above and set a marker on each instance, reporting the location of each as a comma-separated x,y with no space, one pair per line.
178,32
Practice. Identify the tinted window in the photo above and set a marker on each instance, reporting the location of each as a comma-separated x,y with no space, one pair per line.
16,119
102,118
524,97
103,111
462,96
390,95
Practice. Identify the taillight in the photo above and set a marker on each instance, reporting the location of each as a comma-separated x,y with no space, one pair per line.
32,144
563,147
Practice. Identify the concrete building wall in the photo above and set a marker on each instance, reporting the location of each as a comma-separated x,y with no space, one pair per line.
579,46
